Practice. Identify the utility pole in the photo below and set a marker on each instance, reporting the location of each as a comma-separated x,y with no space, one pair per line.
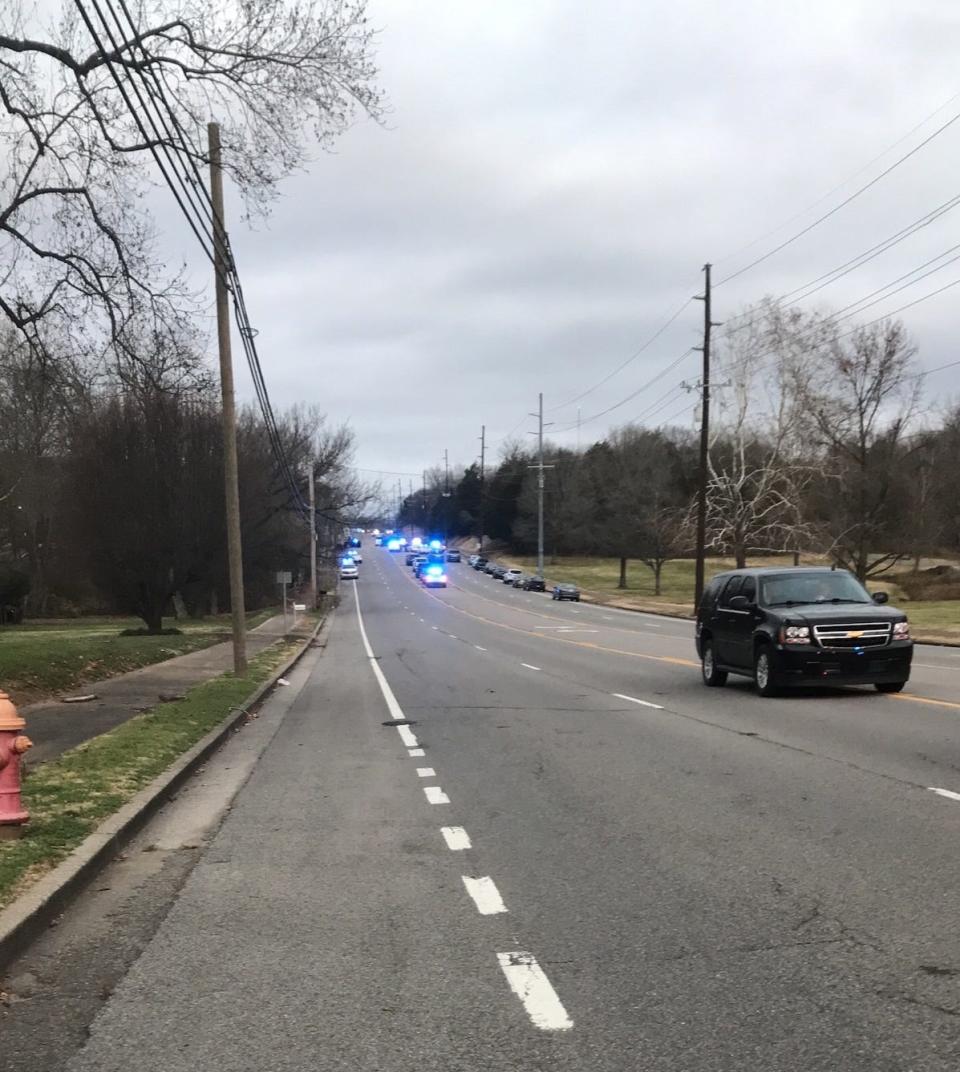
483,477
540,468
704,440
313,537
221,264
446,495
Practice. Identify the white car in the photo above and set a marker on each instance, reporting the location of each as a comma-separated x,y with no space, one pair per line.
511,575
349,573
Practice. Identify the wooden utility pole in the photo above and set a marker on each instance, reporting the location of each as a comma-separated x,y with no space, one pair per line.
313,536
483,477
704,442
221,264
540,484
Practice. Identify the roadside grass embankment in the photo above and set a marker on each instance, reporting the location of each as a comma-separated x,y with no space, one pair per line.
40,659
69,796
934,620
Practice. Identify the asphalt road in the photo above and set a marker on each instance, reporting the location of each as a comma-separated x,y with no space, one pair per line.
575,857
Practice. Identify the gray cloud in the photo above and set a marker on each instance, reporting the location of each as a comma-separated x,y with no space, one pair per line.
552,178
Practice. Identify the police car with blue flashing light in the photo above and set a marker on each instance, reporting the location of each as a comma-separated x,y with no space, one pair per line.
433,576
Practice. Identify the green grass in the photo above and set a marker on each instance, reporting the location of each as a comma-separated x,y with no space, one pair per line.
599,576
68,797
41,658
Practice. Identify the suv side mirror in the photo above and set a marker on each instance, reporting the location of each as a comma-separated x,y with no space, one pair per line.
738,603
880,597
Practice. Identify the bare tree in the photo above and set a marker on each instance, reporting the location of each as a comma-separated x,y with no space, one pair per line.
92,107
858,395
755,479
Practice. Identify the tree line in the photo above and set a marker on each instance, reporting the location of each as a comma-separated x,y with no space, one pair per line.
820,444
112,497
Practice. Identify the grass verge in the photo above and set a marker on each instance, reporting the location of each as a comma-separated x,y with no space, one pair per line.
932,620
40,659
68,797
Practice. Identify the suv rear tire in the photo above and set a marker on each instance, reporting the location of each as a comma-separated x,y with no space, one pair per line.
712,677
763,673
889,686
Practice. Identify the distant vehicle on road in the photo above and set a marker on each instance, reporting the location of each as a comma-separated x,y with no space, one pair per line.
348,571
411,555
497,572
472,560
566,591
534,584
453,555
481,563
801,627
510,575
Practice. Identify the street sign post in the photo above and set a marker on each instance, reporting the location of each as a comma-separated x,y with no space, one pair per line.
283,579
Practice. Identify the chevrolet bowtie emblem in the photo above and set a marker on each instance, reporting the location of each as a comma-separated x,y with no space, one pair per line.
854,634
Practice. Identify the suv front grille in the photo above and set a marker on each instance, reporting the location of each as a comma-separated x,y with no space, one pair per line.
848,637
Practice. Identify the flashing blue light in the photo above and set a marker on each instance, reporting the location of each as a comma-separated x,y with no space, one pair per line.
436,544
434,571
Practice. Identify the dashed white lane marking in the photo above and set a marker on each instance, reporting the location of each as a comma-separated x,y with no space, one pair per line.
456,838
453,636
477,646
529,982
643,703
416,752
421,619
407,735
529,667
435,794
948,793
426,772
434,626
485,895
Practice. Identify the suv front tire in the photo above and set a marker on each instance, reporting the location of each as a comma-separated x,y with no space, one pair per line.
763,672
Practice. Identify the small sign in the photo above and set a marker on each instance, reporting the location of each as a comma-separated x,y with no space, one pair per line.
284,578
299,606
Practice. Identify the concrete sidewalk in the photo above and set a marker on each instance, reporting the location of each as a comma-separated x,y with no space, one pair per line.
56,727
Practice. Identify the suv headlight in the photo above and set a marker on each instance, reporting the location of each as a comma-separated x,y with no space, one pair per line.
901,630
795,634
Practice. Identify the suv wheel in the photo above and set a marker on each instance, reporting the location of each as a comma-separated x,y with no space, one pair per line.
889,686
711,675
763,673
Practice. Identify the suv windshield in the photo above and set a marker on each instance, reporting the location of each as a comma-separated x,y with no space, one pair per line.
831,586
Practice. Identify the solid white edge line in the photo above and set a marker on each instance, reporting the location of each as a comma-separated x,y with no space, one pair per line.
633,699
529,667
456,837
485,895
948,793
426,772
396,711
529,982
435,795
477,646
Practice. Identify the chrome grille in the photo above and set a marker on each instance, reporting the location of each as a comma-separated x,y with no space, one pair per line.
855,635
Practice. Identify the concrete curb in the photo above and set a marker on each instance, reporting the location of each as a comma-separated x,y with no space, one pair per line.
22,921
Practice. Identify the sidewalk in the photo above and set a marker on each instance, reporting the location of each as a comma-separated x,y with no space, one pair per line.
56,727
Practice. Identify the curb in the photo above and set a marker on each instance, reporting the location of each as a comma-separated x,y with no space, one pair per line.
22,921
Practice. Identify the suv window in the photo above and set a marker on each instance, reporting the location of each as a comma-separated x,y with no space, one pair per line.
732,589
711,592
749,589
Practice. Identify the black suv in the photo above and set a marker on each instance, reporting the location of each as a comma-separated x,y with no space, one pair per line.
801,626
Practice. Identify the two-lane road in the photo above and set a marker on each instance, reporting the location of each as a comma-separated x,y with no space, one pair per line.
569,854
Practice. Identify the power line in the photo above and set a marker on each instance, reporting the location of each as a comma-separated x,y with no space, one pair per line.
820,200
846,201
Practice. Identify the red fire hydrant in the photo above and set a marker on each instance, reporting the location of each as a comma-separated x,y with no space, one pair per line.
12,746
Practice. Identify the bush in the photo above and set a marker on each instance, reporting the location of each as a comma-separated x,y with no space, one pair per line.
938,582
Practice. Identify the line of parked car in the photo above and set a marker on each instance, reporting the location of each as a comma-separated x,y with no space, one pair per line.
516,578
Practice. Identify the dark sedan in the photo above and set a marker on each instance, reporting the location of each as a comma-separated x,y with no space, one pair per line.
566,591
534,584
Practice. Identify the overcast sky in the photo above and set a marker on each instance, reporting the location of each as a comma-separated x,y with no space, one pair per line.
551,179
